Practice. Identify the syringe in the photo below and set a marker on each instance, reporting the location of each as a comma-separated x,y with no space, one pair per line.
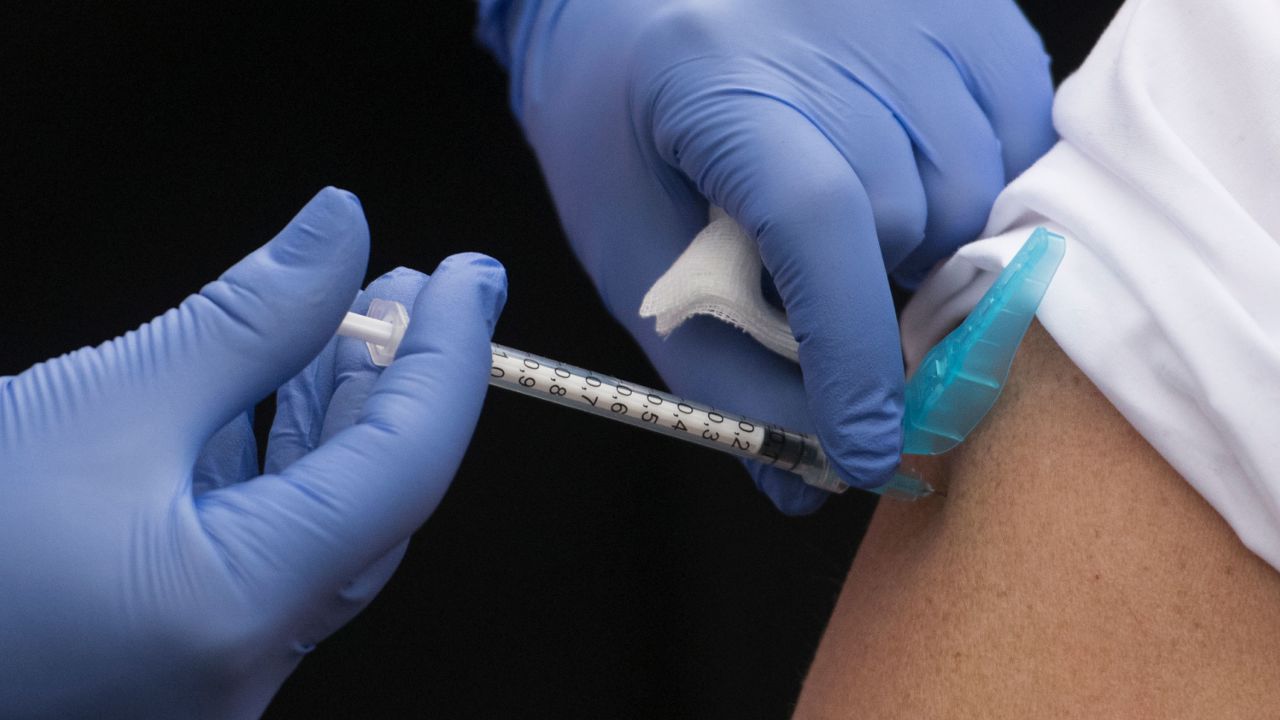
633,404
958,381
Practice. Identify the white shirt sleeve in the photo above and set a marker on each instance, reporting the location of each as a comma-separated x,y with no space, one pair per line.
1166,183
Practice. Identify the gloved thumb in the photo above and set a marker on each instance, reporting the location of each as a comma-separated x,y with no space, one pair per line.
244,334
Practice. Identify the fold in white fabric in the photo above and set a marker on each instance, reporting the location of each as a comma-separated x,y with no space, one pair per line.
1166,183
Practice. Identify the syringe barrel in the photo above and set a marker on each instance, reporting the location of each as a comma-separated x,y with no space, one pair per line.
661,412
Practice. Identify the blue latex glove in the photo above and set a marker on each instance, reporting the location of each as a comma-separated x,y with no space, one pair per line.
855,139
141,577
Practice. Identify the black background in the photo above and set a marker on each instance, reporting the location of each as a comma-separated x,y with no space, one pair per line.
143,150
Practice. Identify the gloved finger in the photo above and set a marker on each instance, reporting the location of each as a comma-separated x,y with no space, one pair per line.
1011,82
301,404
333,512
724,367
354,371
328,394
781,179
229,457
960,163
342,378
874,143
243,335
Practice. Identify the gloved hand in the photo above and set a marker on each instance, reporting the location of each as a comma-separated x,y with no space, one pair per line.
854,139
142,578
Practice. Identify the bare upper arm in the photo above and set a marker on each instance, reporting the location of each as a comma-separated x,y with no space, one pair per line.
1070,573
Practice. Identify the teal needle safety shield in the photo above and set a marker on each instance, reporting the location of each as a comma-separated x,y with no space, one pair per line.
960,378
